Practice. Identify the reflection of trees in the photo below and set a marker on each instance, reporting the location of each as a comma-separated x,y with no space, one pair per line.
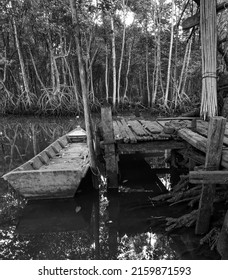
65,245
145,246
22,139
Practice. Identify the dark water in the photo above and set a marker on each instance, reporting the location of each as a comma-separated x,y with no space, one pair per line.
91,225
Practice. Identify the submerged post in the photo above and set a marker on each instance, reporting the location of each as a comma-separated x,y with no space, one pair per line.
215,137
109,144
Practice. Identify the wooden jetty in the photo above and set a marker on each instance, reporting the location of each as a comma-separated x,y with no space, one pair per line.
56,172
205,144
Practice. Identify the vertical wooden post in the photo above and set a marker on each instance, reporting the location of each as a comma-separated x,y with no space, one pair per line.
113,222
194,125
213,157
109,144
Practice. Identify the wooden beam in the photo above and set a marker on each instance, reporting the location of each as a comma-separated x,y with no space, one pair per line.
215,137
110,150
195,19
191,21
193,154
213,158
177,118
197,141
149,147
219,177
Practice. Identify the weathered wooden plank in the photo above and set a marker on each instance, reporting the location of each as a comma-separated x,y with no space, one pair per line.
56,146
139,129
50,152
46,184
224,160
77,132
212,162
44,157
25,166
191,21
219,177
193,138
215,143
36,162
178,124
110,151
124,136
162,123
150,147
132,137
193,154
117,132
195,19
202,128
177,118
63,141
152,126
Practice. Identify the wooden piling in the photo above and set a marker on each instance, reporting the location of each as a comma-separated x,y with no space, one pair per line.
213,158
109,146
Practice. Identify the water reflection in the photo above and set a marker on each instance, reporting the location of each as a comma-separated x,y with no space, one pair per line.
105,225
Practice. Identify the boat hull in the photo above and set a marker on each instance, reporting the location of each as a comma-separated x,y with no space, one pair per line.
56,172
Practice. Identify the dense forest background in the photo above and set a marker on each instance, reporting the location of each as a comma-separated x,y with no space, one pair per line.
134,53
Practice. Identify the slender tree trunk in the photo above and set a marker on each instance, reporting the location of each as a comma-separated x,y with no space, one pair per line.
74,83
88,123
175,86
184,69
106,59
158,54
170,59
122,53
37,74
64,71
128,68
147,73
22,64
113,60
53,82
106,71
57,77
91,83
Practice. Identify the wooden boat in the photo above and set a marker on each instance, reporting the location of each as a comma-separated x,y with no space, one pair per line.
56,172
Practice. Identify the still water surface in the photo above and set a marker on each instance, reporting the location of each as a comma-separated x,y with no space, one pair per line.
91,225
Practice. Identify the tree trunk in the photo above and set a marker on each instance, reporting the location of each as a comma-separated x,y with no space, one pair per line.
128,68
147,71
106,71
21,60
88,123
122,53
158,54
74,82
170,58
37,74
182,93
113,61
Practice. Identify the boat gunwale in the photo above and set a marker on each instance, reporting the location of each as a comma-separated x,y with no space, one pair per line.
70,139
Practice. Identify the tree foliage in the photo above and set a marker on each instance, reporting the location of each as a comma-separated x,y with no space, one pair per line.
39,65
